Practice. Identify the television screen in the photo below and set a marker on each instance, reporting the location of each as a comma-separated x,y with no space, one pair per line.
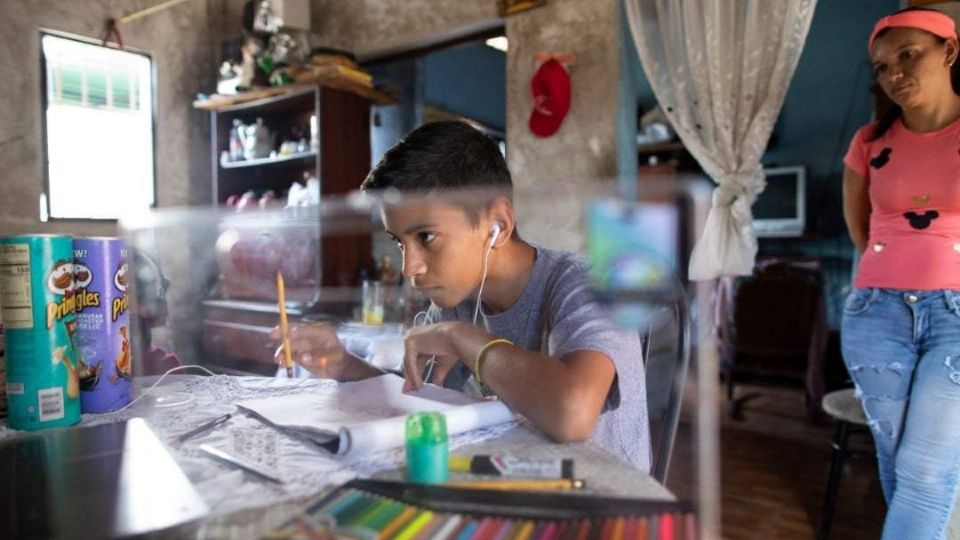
780,210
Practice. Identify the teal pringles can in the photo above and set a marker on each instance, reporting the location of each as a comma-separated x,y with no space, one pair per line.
427,449
38,304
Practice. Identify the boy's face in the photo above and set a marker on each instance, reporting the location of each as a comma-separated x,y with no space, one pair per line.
442,250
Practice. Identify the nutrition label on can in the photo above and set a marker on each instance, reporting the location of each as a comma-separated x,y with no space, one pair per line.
15,294
51,403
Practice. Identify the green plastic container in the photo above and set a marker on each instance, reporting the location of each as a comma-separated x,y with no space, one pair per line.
39,326
427,449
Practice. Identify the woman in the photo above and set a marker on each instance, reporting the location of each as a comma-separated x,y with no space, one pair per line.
901,325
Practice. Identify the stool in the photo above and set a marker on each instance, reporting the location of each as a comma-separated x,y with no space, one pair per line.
845,407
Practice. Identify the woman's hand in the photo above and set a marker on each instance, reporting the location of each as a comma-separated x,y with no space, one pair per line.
446,342
857,208
317,348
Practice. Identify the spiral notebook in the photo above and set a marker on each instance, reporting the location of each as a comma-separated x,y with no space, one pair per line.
369,415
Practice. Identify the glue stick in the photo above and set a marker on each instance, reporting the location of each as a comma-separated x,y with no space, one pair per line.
426,435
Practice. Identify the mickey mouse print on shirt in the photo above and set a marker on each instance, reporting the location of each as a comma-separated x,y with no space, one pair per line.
881,159
921,222
917,221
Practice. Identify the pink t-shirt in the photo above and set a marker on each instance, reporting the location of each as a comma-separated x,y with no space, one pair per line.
915,199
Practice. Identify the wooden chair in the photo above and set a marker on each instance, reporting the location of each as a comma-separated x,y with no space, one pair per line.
776,333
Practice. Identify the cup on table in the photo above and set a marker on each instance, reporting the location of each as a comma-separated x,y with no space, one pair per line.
373,303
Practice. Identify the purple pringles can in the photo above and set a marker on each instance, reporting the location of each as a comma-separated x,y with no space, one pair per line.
103,324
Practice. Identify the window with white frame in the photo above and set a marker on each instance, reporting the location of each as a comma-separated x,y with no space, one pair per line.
98,105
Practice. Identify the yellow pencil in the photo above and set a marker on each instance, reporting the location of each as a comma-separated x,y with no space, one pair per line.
284,329
520,484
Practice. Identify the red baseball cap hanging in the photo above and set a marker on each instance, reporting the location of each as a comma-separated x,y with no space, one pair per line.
551,98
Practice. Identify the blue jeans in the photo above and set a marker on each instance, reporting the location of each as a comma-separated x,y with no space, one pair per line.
902,349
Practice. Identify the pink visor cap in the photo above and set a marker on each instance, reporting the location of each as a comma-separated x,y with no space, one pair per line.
935,22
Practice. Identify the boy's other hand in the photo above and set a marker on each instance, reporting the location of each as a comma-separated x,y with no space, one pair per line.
442,341
316,348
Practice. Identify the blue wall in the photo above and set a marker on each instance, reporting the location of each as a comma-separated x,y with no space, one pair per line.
828,100
469,80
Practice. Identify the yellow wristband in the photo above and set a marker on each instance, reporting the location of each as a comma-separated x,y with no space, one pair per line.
483,351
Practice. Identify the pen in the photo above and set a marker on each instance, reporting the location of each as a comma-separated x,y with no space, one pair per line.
428,369
206,426
284,328
244,464
526,484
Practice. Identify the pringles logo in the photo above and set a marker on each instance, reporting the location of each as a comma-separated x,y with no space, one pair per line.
60,283
82,276
120,282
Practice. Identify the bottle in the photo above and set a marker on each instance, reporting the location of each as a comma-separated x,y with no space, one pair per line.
372,306
236,145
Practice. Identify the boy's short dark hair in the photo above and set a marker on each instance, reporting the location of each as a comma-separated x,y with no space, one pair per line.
440,157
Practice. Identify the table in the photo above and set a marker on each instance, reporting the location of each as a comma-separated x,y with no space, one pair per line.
245,507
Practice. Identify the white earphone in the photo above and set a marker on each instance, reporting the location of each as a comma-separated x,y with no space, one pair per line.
494,233
495,229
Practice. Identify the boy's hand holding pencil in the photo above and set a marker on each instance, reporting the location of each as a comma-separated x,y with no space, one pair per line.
284,329
317,348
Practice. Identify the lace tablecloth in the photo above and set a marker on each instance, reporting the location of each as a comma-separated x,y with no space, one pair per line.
182,402
244,506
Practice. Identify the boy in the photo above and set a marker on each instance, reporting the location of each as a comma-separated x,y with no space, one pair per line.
542,344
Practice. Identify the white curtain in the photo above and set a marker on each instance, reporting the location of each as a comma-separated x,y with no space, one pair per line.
720,69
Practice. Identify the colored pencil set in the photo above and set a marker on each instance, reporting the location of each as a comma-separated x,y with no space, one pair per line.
357,511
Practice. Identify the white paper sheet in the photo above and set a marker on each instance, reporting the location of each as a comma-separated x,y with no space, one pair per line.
369,415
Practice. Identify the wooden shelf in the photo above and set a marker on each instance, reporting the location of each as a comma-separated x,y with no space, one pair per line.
219,102
267,160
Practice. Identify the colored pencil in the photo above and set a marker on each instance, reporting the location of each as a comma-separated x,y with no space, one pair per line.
519,484
380,521
643,528
417,523
468,530
666,526
398,522
525,531
447,528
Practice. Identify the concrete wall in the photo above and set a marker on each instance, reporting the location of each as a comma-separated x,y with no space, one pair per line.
584,150
585,147
181,41
378,27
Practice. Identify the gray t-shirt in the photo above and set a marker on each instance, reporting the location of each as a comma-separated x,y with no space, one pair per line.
557,314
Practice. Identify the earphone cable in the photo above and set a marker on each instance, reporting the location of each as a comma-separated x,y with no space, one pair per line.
483,280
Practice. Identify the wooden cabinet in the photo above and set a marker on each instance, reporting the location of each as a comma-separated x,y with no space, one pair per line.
237,318
341,160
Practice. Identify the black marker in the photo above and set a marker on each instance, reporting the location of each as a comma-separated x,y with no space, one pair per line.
502,465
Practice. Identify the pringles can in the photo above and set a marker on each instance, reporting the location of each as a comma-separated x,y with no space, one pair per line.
38,303
3,374
103,324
